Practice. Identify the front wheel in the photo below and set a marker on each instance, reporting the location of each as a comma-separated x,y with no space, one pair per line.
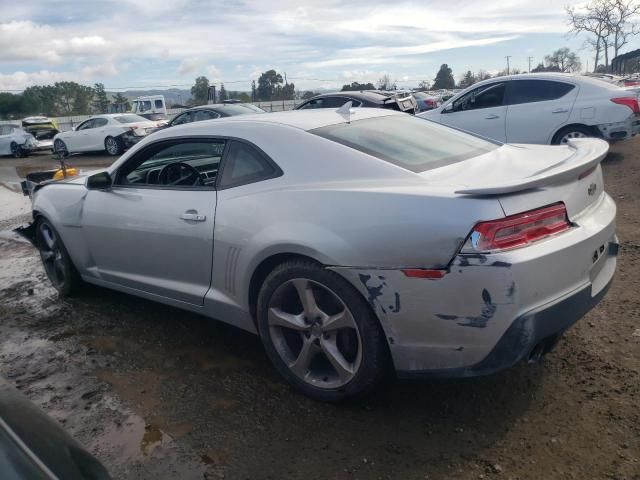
17,151
320,333
55,259
113,146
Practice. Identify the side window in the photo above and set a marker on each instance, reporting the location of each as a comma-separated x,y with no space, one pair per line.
145,105
528,91
177,164
315,103
86,125
486,96
244,164
158,104
201,115
99,122
182,118
334,102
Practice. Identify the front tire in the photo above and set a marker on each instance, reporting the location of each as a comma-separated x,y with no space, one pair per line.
55,259
319,332
113,146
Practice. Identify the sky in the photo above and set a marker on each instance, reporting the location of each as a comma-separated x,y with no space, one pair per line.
128,44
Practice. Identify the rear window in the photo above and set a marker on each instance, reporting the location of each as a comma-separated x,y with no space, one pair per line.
129,118
409,142
528,91
233,109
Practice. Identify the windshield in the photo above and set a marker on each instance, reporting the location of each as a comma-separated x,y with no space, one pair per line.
130,118
409,142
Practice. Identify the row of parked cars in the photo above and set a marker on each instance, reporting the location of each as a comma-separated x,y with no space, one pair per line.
546,108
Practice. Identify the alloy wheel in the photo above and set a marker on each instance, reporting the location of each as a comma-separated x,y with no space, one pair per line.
314,333
51,254
569,135
111,145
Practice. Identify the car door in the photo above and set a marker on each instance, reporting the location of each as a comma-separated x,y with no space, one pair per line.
536,109
155,234
97,134
78,140
481,111
5,139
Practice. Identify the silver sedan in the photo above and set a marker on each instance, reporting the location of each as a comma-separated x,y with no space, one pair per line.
354,242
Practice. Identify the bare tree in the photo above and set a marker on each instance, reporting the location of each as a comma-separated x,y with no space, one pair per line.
620,22
385,83
593,19
564,60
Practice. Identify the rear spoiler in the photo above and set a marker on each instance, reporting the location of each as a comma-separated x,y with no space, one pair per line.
588,153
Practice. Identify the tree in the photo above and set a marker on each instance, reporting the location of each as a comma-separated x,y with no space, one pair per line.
267,85
100,100
467,80
482,75
73,98
619,22
424,85
121,102
40,99
307,95
593,19
564,60
223,92
385,83
444,78
355,86
287,92
200,91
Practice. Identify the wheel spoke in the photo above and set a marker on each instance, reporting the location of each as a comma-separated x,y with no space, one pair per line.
286,320
342,367
49,239
300,366
337,321
307,298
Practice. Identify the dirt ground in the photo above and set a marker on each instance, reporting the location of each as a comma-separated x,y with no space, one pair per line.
157,393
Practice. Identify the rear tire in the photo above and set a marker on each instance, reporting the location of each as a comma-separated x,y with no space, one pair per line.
576,131
60,148
55,259
113,146
326,361
17,151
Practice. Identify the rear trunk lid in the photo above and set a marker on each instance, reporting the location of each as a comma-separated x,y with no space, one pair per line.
525,177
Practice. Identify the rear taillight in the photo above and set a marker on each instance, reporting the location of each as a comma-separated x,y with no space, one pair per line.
517,230
631,102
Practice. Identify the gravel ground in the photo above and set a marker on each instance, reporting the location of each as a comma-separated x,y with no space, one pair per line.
156,393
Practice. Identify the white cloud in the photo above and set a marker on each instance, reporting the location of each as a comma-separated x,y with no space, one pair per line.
190,66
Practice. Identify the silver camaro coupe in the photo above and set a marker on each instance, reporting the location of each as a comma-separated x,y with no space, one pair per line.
355,242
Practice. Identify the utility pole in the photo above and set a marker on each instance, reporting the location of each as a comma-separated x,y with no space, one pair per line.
529,58
508,57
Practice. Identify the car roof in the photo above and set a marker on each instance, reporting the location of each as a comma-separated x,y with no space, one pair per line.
370,95
302,119
216,106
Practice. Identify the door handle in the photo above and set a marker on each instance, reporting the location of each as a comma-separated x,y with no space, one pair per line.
492,116
193,217
560,110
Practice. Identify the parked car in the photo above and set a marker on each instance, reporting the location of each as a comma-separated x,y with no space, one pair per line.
425,101
14,140
211,112
112,133
43,130
34,446
543,108
352,241
365,98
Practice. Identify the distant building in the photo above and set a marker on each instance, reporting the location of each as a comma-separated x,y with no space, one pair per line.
626,63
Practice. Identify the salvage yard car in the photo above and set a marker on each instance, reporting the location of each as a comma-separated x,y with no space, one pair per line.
211,112
353,241
112,133
365,98
43,130
543,108
14,140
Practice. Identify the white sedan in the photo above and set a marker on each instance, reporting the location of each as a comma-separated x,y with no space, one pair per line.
111,133
15,141
546,108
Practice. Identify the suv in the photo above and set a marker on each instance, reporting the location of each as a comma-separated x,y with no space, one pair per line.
546,108
365,98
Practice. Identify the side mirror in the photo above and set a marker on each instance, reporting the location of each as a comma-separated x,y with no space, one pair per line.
99,181
448,108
